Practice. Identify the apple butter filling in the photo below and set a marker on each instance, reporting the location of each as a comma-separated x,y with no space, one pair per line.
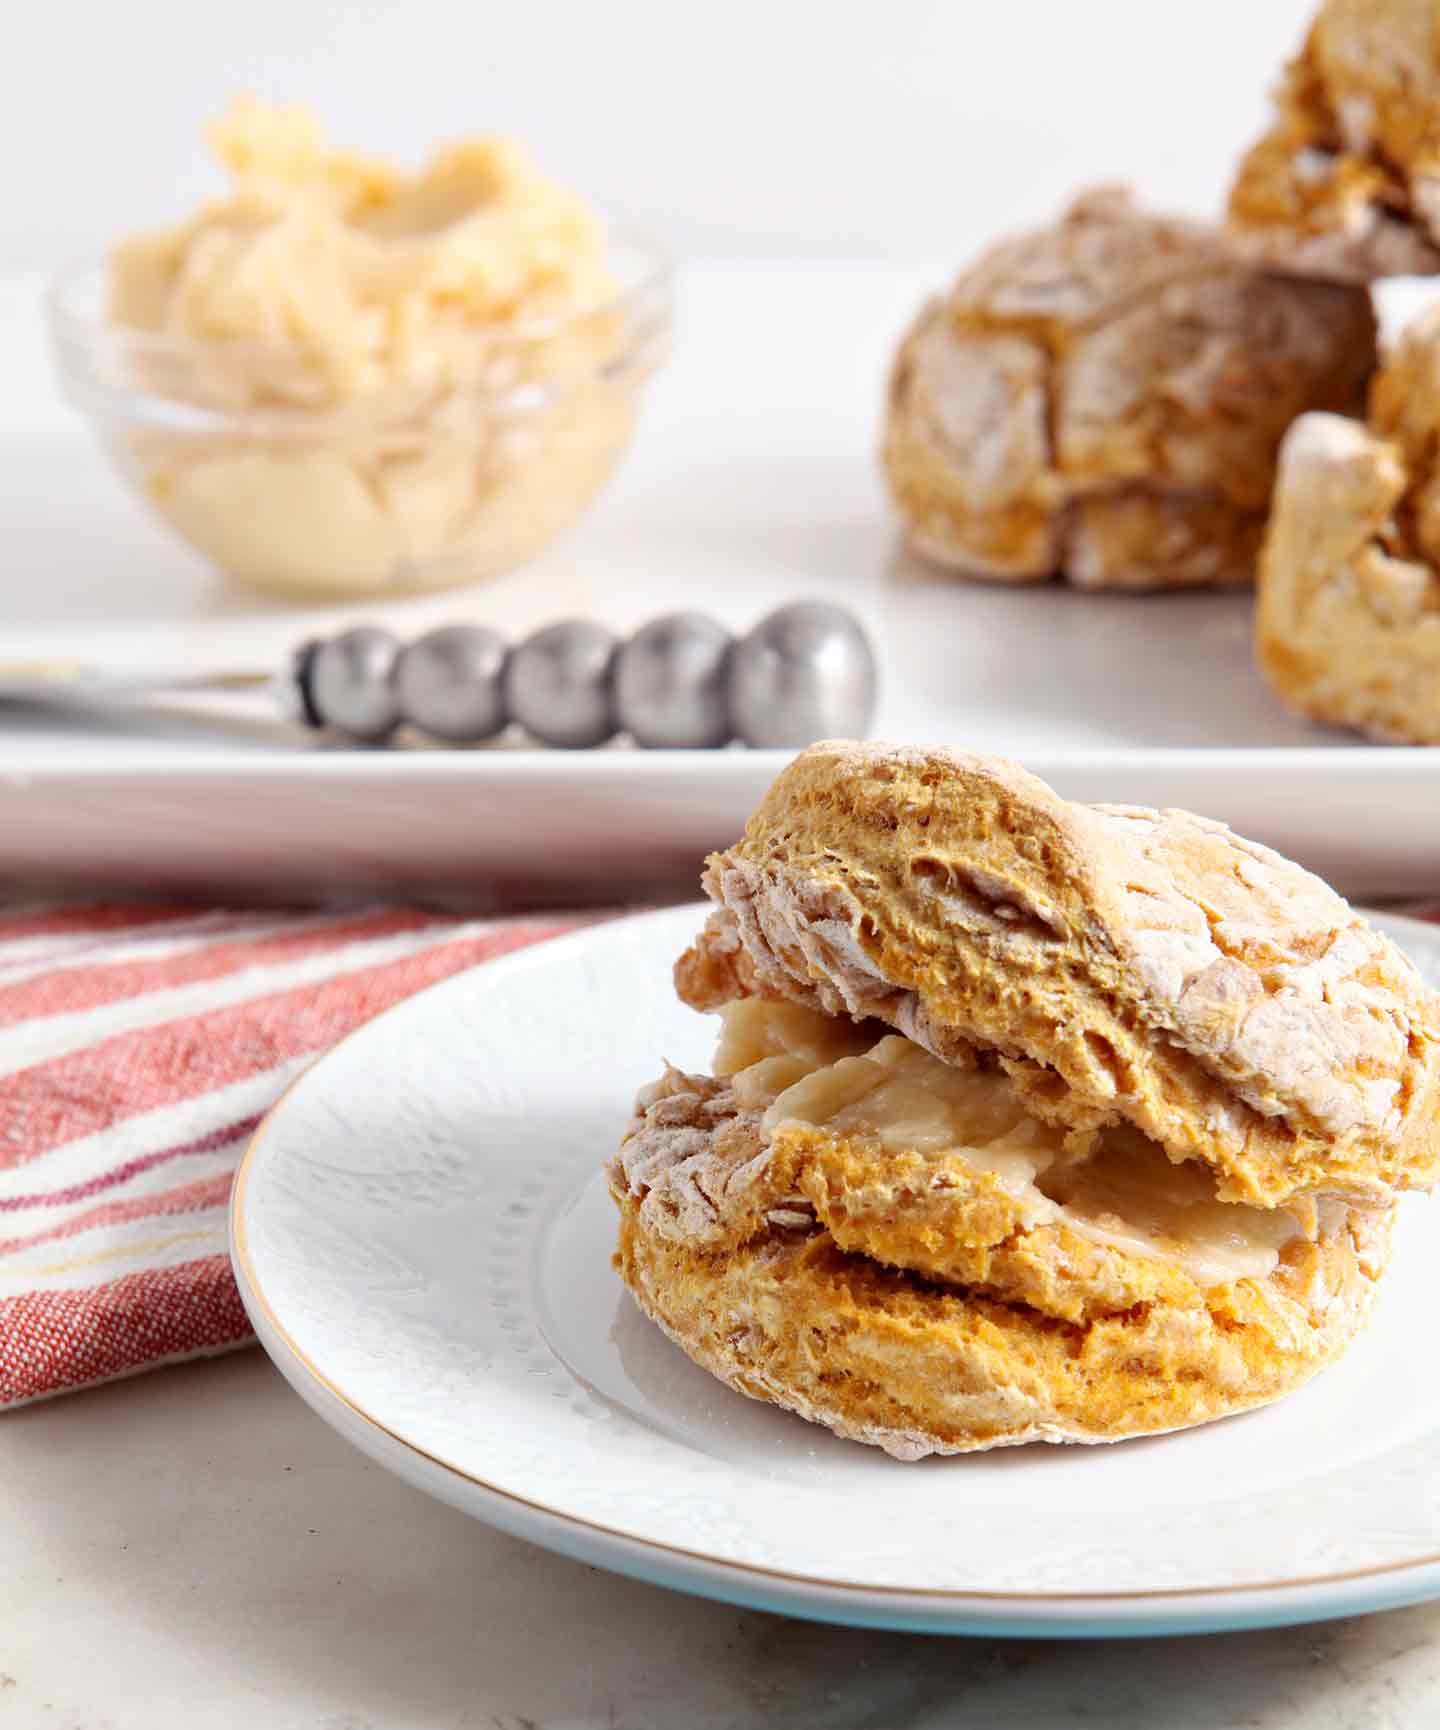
1114,1187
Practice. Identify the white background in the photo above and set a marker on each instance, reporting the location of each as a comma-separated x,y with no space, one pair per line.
889,128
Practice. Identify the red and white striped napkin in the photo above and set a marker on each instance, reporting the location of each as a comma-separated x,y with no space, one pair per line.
139,1047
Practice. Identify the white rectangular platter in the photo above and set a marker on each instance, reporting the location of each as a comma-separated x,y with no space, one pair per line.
753,482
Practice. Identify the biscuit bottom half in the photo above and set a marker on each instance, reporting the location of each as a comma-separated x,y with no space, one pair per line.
898,1248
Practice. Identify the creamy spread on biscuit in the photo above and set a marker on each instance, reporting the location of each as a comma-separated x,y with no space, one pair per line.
409,366
1121,1190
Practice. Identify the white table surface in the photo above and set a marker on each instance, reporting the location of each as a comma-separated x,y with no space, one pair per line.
194,1550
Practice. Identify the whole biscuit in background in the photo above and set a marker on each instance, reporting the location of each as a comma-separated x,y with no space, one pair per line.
1348,619
1103,400
1346,183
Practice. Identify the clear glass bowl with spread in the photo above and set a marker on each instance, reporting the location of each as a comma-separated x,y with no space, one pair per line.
419,484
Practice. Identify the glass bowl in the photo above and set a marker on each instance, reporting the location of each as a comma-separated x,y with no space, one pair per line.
465,468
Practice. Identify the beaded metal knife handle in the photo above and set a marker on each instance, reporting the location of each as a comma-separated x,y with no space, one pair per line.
681,682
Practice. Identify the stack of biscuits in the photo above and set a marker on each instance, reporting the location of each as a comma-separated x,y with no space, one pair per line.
1028,1121
1134,401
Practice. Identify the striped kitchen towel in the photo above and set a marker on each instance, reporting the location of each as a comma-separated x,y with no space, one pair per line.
139,1047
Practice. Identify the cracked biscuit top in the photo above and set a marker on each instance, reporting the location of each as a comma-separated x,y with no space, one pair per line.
1125,965
1104,398
1346,181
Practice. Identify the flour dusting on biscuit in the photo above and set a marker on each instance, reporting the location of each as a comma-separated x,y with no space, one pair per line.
1028,1120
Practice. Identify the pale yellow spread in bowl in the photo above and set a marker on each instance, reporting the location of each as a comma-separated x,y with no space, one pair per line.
379,380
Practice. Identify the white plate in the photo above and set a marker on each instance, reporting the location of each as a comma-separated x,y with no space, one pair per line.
423,1242
753,482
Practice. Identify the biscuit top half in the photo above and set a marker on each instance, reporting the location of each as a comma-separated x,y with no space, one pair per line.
1130,964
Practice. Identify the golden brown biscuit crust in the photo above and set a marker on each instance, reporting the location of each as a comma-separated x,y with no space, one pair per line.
1348,616
1104,399
1346,182
1136,965
1141,539
719,1251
